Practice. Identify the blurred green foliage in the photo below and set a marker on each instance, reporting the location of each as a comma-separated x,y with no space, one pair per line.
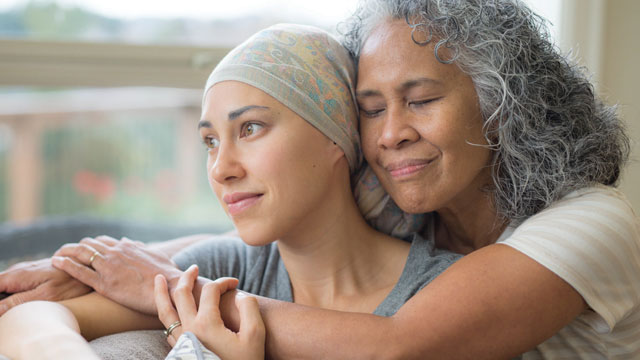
49,20
124,163
123,166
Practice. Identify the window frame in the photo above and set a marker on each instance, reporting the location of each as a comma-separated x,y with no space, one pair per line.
47,63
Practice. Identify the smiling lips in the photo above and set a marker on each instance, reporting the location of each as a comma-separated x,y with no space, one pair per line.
406,168
237,202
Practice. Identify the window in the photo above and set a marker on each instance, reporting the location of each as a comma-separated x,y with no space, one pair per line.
99,103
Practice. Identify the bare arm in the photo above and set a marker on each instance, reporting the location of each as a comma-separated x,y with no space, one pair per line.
42,329
492,304
98,316
39,280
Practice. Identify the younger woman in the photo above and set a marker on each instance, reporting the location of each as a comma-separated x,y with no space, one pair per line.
280,126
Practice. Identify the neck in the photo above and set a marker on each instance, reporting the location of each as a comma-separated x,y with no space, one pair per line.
469,222
335,257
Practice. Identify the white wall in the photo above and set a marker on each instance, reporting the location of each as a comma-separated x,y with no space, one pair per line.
605,36
621,79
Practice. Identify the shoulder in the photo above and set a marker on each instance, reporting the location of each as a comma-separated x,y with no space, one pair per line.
425,262
591,239
589,216
227,256
209,250
598,202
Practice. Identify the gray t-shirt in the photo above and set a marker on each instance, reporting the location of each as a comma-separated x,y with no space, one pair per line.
261,271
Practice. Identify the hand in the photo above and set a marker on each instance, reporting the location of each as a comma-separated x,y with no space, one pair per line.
206,322
37,280
118,270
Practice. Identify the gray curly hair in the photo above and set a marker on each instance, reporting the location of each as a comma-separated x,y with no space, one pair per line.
549,132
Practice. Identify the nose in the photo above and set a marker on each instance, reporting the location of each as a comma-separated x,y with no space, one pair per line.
397,129
226,166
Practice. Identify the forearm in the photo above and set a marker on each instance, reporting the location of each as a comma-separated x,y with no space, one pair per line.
98,316
42,329
493,304
313,333
302,332
172,247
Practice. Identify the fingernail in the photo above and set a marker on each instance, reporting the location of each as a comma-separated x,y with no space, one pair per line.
3,308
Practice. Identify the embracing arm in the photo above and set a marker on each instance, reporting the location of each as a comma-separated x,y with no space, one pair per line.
496,302
40,280
42,329
98,316
465,312
46,329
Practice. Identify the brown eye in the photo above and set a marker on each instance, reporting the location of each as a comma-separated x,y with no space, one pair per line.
211,142
251,129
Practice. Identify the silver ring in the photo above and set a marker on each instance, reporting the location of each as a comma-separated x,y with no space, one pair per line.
172,327
93,257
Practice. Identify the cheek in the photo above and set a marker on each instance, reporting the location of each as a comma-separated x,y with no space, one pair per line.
209,165
368,139
210,162
215,187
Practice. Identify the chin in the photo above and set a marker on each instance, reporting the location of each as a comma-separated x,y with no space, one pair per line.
412,204
254,237
413,207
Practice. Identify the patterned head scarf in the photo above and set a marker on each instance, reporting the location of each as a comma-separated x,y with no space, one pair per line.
312,74
308,71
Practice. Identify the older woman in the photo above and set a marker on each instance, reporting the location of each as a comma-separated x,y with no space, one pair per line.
469,114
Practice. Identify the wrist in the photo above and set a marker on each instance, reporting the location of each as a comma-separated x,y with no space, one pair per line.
229,311
172,274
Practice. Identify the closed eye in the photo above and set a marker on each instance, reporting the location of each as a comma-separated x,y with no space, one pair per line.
419,103
371,113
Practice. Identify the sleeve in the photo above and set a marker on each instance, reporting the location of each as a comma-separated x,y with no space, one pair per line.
188,347
217,257
591,239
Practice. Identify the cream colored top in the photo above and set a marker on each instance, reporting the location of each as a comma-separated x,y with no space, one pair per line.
591,239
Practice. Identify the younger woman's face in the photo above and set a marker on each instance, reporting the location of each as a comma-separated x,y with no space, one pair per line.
267,165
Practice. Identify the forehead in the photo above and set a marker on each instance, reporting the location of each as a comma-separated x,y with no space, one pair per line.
389,56
231,94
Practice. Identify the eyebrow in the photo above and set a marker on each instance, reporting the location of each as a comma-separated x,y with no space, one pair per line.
403,87
236,113
233,114
204,124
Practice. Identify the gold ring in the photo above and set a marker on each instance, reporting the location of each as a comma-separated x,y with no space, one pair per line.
93,257
172,327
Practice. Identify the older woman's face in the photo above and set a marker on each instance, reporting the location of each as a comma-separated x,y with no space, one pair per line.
420,123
